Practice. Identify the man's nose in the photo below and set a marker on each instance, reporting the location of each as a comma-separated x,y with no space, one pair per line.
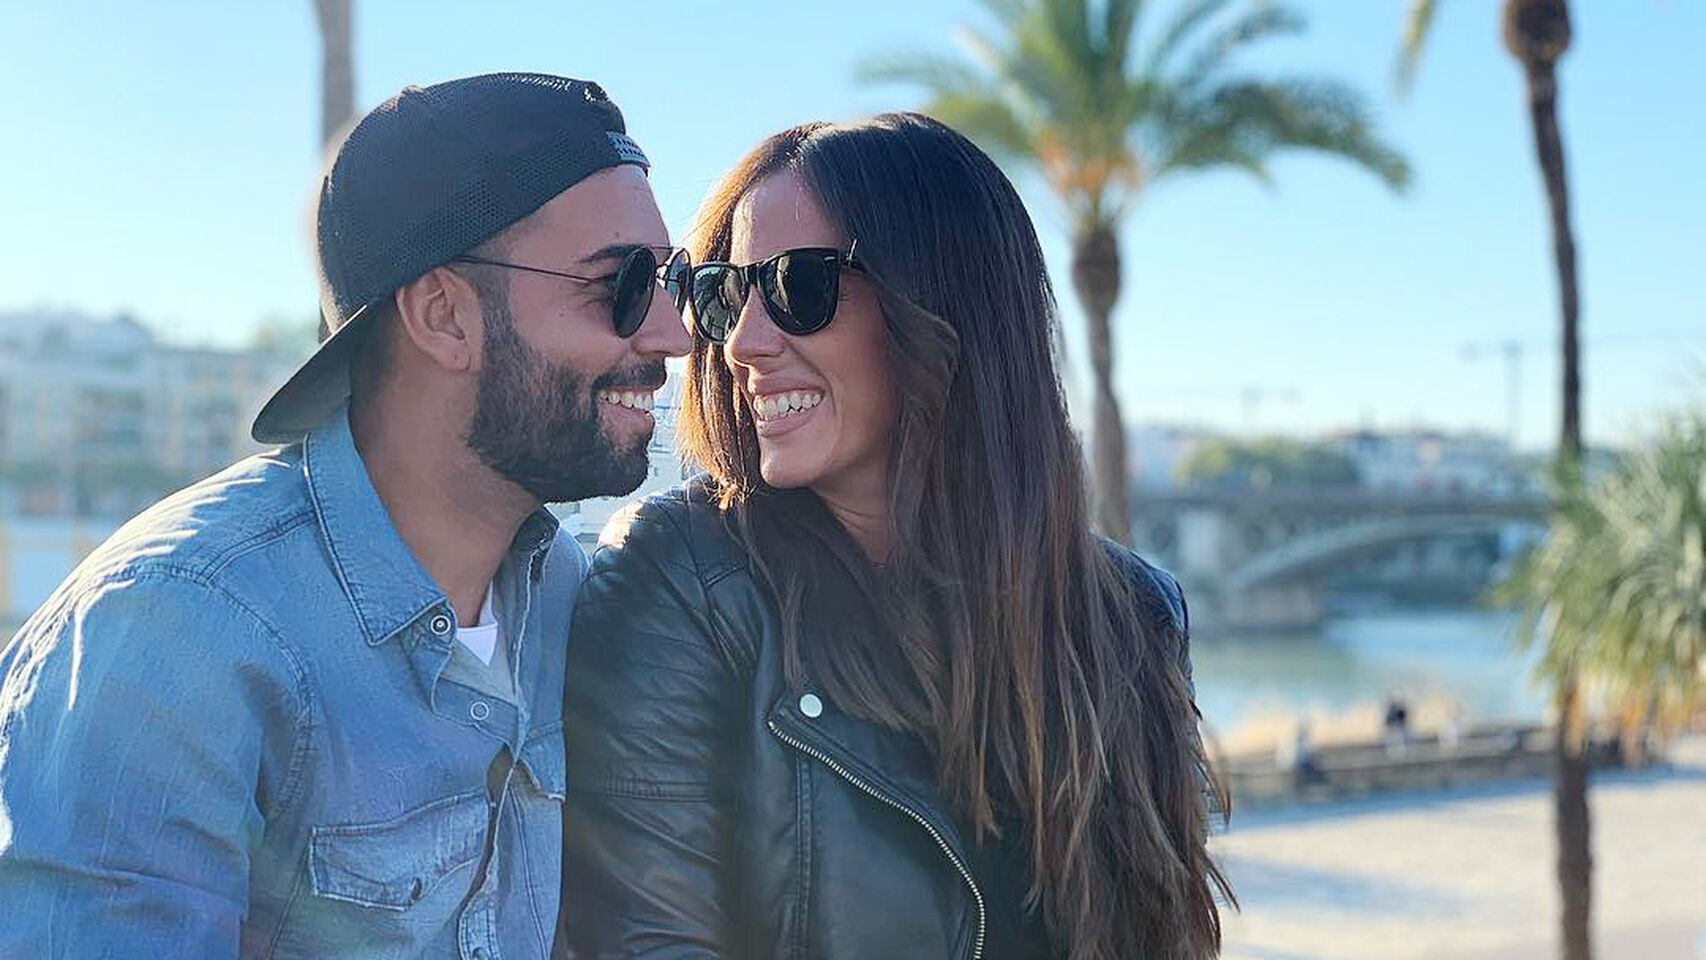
663,332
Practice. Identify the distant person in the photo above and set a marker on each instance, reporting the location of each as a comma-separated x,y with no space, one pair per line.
1297,756
873,688
311,707
1395,729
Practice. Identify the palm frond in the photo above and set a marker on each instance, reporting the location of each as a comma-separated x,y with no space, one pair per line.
960,95
1418,25
1068,23
1262,22
1041,67
1119,31
1184,23
990,122
935,73
1253,118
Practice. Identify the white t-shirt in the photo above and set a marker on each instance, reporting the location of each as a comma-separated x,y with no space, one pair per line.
482,638
482,662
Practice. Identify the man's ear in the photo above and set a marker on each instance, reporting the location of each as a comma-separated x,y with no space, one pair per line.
439,312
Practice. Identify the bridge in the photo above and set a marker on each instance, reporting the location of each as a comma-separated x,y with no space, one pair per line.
1260,560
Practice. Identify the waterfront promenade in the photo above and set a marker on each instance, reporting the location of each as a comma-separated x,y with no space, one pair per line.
1467,874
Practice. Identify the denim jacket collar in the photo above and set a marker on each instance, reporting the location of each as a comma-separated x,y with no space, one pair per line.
386,585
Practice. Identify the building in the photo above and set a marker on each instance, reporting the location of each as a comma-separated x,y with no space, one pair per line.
1154,453
98,417
1424,462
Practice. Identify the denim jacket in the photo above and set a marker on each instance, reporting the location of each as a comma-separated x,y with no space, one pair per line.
230,732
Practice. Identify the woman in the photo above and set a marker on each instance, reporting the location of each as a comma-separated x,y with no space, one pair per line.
872,688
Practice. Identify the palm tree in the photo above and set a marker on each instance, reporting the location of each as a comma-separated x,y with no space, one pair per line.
1537,33
1620,590
1066,88
1616,596
337,76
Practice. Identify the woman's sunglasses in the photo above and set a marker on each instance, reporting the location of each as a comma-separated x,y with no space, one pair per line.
800,288
631,286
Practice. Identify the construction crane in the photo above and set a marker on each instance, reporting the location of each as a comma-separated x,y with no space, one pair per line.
1512,351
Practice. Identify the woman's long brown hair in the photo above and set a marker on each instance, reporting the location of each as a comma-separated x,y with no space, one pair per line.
1001,629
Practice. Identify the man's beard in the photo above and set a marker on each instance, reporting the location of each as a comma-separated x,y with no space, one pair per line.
536,422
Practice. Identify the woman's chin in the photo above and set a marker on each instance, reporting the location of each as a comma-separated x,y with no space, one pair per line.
785,472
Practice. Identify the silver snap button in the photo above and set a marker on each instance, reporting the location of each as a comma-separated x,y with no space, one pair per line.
811,706
440,625
417,890
479,709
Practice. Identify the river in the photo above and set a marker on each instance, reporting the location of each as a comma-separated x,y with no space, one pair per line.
1466,656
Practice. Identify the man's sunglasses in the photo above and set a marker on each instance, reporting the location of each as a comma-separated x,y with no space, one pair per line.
631,286
800,288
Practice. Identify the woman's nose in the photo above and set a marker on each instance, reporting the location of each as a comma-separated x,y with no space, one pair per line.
755,335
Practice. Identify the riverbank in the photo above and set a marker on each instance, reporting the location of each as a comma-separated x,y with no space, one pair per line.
1467,874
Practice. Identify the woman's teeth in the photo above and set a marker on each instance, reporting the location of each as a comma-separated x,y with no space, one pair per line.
775,406
632,399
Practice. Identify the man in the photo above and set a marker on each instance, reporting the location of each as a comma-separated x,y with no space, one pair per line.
312,705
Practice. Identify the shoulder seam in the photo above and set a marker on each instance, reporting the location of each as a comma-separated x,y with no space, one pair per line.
267,537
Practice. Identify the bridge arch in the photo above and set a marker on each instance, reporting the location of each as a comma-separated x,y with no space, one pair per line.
1331,548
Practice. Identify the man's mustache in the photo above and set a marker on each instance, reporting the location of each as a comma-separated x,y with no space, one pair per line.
647,376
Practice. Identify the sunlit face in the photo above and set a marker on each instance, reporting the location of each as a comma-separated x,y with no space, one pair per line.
825,403
563,408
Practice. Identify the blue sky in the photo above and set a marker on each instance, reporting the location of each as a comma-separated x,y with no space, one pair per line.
159,159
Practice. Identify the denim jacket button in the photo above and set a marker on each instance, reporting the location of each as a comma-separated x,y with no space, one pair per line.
479,710
417,890
811,706
440,625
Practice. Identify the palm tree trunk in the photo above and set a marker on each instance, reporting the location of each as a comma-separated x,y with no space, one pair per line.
1548,145
337,78
1570,802
1538,32
337,69
1096,278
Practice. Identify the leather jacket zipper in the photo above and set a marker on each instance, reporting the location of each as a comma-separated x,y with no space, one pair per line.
915,816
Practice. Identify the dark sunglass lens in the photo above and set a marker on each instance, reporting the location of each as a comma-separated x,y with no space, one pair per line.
632,299
804,286
677,277
714,298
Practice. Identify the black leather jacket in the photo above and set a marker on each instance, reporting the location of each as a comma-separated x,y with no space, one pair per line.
715,813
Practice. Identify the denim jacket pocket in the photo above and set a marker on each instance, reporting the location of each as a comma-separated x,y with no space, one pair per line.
543,758
393,864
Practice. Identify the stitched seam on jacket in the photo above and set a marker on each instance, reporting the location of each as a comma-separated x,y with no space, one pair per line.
644,789
259,541
805,835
